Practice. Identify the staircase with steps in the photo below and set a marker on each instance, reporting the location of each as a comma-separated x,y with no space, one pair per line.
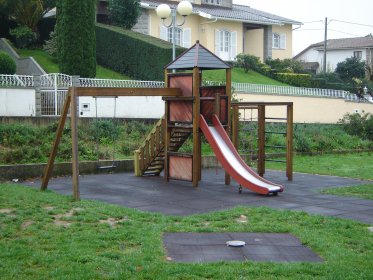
149,158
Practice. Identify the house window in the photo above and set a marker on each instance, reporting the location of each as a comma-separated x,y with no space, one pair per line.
183,37
358,54
217,2
225,39
279,41
226,44
178,36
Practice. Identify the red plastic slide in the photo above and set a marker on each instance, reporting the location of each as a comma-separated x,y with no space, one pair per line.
231,160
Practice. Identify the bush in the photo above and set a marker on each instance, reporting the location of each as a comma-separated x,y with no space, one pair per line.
131,53
352,67
7,64
285,66
358,124
50,46
124,13
297,80
24,36
248,62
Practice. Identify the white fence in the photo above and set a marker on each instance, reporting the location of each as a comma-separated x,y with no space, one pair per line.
53,89
16,81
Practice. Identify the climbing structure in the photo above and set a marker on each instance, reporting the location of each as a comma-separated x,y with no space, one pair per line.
199,110
160,151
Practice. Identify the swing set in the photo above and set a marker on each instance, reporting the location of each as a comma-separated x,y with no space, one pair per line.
71,103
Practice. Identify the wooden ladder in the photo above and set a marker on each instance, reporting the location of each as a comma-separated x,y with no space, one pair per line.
149,158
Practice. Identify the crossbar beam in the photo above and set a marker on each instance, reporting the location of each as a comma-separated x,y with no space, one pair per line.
107,92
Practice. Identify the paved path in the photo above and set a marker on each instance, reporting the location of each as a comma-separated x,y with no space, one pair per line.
180,198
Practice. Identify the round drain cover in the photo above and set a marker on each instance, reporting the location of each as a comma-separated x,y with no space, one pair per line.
235,243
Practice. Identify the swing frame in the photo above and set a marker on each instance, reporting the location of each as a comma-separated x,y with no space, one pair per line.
71,102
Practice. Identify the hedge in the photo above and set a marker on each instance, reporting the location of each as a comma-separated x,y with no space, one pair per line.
297,80
76,37
136,55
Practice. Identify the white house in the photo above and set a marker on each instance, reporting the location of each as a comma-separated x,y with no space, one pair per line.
337,50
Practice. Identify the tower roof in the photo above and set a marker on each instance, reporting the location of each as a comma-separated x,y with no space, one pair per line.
197,56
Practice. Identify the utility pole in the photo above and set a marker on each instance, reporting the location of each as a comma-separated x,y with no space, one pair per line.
325,41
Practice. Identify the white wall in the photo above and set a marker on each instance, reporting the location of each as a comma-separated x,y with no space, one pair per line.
17,102
126,107
333,57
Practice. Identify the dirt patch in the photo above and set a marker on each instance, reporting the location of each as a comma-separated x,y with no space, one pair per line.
48,208
59,219
7,210
62,223
26,224
242,219
370,229
113,221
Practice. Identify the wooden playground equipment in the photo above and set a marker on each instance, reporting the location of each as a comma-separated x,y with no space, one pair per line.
190,110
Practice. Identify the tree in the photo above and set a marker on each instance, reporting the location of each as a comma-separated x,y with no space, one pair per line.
124,13
76,37
26,12
352,67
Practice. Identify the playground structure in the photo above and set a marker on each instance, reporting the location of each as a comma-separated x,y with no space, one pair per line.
190,111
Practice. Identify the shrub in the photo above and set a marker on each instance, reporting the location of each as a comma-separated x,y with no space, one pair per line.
76,37
134,54
7,64
298,80
358,124
285,66
24,36
248,62
352,67
50,45
124,13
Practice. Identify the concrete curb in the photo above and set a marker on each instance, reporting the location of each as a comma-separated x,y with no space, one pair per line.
26,171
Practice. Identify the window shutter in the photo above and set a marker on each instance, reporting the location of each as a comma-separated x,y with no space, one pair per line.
163,33
282,41
217,42
187,37
233,47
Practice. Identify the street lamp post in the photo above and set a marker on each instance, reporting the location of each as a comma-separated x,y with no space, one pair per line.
164,11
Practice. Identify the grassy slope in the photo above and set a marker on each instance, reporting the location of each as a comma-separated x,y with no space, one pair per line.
33,246
239,76
50,65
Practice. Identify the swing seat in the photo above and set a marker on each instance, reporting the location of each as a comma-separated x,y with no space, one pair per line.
106,167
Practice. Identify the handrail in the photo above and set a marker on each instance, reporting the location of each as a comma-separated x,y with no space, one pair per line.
149,149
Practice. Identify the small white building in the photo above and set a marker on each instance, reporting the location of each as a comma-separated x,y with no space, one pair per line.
337,50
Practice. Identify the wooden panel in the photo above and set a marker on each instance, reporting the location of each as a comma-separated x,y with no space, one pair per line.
180,168
183,82
223,111
180,111
210,91
207,107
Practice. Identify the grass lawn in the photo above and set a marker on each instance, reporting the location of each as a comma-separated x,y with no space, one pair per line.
356,165
48,236
363,191
50,65
239,76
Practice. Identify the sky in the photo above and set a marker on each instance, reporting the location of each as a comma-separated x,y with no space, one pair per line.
306,11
